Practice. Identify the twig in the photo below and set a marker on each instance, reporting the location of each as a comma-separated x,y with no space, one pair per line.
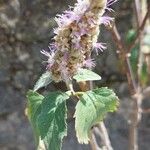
105,137
123,53
93,142
132,87
135,116
117,38
124,57
140,29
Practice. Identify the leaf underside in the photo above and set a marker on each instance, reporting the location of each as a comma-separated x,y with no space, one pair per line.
44,80
86,75
91,109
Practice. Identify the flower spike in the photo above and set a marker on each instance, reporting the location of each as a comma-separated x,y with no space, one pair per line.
75,38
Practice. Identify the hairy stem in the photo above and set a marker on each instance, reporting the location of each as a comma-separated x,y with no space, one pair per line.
105,137
133,129
134,120
93,142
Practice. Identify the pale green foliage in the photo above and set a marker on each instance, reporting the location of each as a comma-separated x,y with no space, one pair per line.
52,120
91,109
86,75
44,80
33,110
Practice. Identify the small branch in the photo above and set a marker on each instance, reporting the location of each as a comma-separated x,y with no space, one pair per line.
124,53
124,57
93,142
105,137
140,29
135,118
137,99
138,12
117,38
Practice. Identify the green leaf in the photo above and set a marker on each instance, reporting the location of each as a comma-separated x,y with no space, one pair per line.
135,50
44,80
131,34
144,76
33,110
52,120
91,109
86,75
134,58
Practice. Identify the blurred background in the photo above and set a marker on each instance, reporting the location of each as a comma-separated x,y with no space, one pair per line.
26,27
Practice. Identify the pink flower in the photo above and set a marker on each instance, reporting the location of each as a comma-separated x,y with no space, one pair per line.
66,18
106,20
76,36
99,46
89,63
50,56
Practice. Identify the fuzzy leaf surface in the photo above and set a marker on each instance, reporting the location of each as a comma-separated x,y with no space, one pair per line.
86,75
44,80
91,109
52,120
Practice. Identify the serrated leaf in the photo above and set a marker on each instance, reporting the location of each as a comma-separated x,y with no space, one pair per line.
86,75
52,120
91,109
44,80
33,110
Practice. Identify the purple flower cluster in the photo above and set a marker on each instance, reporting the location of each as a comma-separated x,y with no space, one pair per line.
76,36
